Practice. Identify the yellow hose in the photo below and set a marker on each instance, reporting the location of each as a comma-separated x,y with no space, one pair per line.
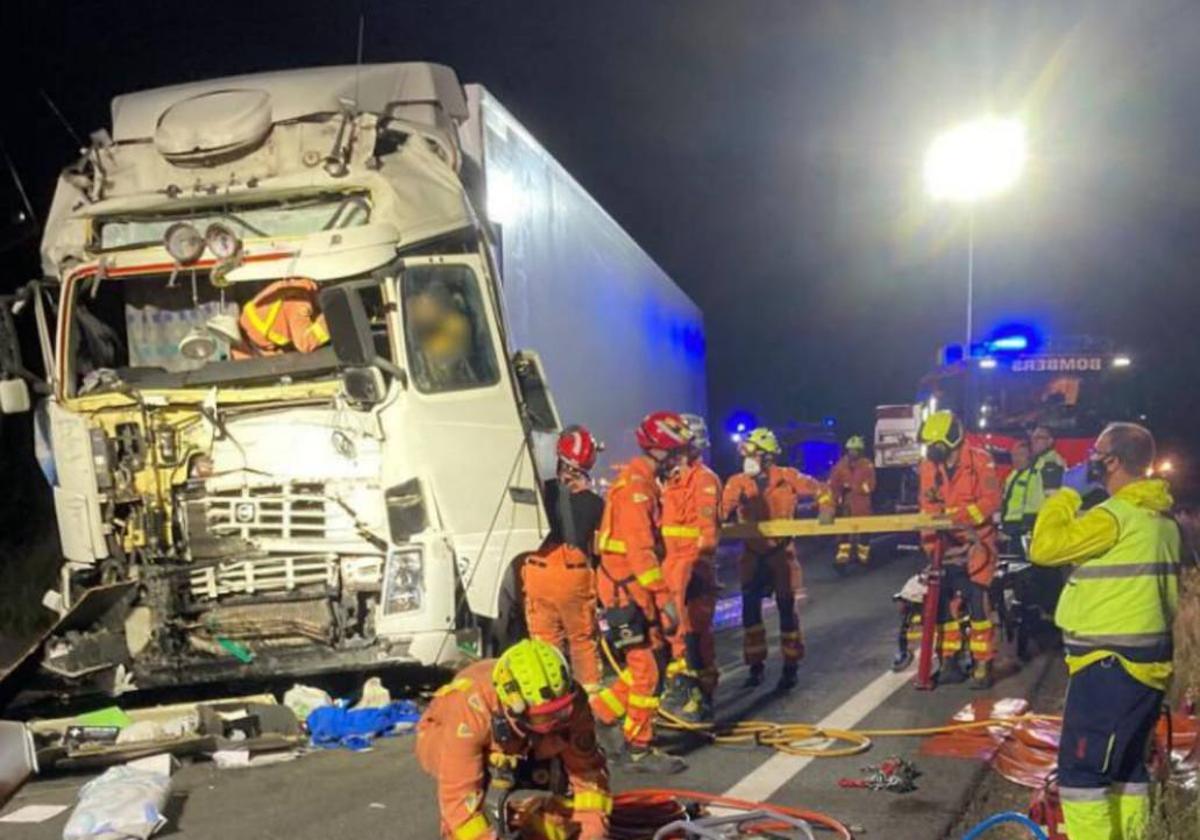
796,738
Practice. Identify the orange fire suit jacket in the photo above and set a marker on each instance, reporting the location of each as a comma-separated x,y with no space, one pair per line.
626,539
283,316
690,507
852,484
971,495
785,486
455,745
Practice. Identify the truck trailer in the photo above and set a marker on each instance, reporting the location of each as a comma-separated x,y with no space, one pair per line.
228,511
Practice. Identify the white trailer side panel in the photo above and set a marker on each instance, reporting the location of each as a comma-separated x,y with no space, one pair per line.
618,338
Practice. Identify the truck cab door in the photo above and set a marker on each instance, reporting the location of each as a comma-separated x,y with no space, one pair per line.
468,436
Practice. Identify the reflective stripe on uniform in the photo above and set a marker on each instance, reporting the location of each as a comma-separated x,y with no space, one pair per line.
643,701
976,514
612,702
650,577
607,545
592,800
1118,639
472,829
318,331
680,531
263,325
1125,570
460,684
1070,794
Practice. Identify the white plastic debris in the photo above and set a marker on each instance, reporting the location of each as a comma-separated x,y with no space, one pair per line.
125,803
302,699
374,695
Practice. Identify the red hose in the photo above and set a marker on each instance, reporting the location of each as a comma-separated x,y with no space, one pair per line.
639,813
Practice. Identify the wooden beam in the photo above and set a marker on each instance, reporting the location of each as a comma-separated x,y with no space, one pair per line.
843,525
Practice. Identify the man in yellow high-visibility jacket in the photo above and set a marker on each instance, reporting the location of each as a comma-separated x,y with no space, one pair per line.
1115,613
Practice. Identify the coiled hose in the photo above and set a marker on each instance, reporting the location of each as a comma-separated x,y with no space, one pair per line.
637,814
798,738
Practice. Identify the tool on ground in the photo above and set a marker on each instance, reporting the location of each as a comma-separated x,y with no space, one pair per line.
894,774
727,827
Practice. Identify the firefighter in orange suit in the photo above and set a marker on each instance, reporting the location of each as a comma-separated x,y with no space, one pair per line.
498,726
960,481
762,491
558,579
852,481
691,499
282,318
639,613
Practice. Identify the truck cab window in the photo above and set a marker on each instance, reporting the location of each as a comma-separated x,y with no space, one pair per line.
446,330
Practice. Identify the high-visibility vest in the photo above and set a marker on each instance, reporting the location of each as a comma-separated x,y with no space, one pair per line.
1126,598
1016,487
1035,491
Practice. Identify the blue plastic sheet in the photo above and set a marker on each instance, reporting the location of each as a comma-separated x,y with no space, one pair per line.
355,729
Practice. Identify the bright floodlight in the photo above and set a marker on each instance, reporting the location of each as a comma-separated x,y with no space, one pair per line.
975,160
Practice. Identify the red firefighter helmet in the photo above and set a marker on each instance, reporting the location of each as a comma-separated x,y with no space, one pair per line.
664,430
577,448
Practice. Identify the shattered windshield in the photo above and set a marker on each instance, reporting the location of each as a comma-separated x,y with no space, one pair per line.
167,329
297,217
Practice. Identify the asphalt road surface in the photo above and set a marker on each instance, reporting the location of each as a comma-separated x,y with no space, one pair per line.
845,681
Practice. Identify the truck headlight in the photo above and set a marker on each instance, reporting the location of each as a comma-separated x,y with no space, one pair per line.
404,582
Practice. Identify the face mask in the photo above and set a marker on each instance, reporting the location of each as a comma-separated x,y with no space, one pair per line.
750,466
1097,470
938,452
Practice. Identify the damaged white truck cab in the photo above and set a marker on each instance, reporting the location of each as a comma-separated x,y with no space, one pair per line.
228,509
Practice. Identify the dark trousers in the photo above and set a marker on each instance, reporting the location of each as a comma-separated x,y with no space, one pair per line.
1107,724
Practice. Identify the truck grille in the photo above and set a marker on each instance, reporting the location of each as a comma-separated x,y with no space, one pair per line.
273,512
274,574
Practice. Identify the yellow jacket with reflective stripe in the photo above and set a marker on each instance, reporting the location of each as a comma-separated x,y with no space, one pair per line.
1016,487
1121,596
1035,490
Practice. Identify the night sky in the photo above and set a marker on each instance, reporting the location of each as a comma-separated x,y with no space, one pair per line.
767,155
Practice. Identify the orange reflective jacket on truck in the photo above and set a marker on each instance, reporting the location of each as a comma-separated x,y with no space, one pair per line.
852,483
283,316
781,490
625,540
690,507
971,495
455,745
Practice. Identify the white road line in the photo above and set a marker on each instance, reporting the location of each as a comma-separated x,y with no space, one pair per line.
761,783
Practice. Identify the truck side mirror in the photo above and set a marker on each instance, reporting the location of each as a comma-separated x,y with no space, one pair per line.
354,344
538,403
14,396
349,327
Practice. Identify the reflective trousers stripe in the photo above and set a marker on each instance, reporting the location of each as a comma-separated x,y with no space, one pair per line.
680,531
592,800
612,702
650,577
472,829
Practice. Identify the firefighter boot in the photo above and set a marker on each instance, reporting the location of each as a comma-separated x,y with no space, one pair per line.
787,679
676,692
951,672
843,554
651,761
981,676
755,678
698,708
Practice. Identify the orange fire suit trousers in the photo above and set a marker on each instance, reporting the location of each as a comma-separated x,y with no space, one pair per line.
776,570
693,585
560,608
633,696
